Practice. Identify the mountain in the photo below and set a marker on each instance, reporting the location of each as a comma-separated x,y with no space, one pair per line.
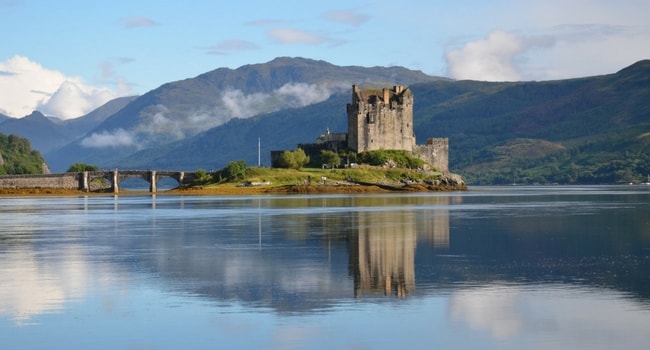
78,127
179,110
239,138
43,133
47,134
588,130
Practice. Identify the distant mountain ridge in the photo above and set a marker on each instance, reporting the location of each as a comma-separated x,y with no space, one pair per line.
587,130
47,134
182,109
592,129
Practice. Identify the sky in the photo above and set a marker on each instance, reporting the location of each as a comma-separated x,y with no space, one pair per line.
67,57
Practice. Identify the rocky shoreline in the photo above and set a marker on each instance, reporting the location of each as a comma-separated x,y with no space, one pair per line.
233,190
447,183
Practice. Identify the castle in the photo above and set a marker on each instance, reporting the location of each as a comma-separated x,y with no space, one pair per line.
380,119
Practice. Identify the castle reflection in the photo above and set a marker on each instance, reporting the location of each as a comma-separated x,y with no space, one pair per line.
382,253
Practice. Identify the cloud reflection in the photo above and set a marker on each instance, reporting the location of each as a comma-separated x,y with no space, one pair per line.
494,310
31,287
572,317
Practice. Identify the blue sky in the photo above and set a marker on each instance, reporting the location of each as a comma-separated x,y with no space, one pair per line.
67,57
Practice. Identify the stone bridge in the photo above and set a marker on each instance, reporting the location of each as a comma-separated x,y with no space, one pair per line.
87,180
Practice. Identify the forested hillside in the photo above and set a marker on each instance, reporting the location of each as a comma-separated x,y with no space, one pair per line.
17,156
590,130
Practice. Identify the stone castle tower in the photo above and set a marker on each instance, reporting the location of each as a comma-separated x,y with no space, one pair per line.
381,119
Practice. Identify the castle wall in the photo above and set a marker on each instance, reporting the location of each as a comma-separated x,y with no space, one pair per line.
434,152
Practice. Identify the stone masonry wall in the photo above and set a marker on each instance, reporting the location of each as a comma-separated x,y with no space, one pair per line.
60,181
434,152
380,119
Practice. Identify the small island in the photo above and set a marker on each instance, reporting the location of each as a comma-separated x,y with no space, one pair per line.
377,154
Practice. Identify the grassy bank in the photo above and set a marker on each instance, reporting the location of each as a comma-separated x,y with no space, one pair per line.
307,180
315,180
278,177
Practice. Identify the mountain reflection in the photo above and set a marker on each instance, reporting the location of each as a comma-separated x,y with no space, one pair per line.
307,253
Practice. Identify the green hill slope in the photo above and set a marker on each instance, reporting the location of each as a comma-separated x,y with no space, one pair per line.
182,109
590,130
17,157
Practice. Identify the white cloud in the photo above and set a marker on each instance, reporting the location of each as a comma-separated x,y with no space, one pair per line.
26,86
161,125
115,138
303,94
346,17
229,46
294,36
294,95
552,39
137,22
494,58
72,100
174,126
240,105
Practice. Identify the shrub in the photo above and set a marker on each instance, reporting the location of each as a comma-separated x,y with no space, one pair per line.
330,158
235,171
201,176
293,159
79,167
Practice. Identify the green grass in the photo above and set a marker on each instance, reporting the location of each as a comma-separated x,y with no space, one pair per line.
277,176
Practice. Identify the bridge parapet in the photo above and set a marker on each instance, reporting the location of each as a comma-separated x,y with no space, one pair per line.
85,180
68,181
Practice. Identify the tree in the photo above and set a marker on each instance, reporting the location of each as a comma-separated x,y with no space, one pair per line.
18,157
235,170
81,167
293,159
201,177
330,158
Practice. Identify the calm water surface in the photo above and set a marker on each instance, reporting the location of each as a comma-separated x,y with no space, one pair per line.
490,268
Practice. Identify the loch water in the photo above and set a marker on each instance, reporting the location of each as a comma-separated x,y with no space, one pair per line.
552,267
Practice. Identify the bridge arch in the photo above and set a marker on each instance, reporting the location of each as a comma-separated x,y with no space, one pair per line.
115,177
